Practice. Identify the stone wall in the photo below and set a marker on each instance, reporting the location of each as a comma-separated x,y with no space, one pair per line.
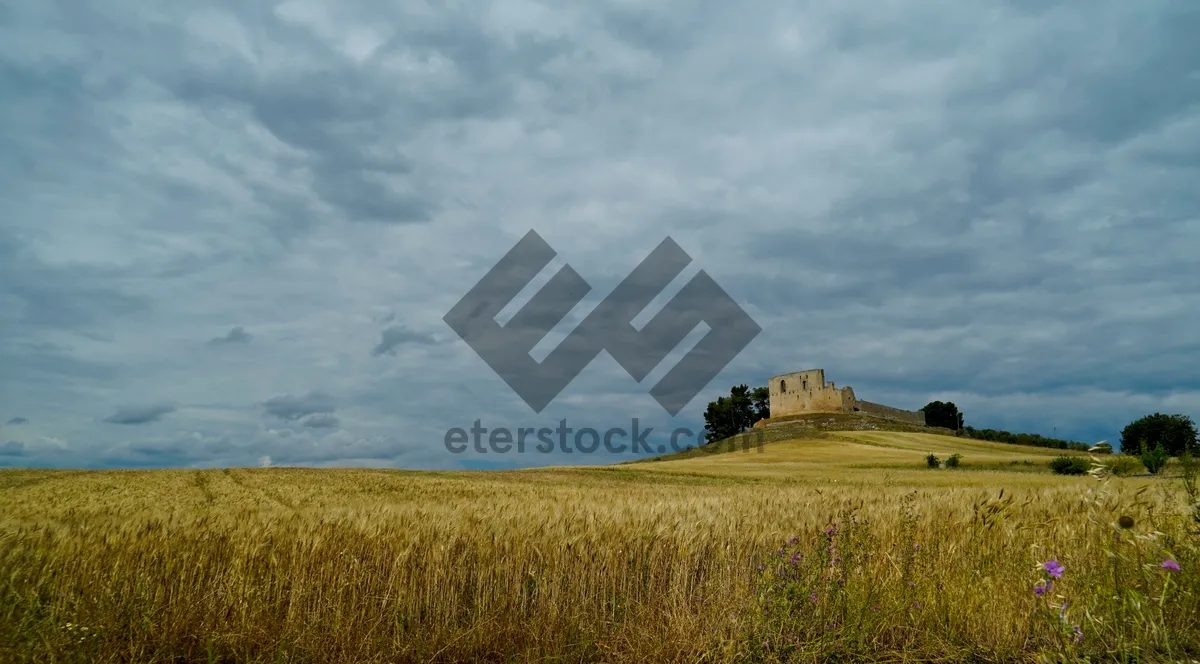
813,400
879,410
807,392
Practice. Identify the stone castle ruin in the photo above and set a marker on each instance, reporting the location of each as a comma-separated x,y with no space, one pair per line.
807,392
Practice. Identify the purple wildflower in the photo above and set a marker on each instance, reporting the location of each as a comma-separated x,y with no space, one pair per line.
1053,568
1170,565
1078,634
1042,588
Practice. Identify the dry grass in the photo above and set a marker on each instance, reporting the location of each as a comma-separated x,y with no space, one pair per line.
646,562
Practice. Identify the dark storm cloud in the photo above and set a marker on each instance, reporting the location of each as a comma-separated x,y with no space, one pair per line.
44,296
140,414
16,421
930,199
13,448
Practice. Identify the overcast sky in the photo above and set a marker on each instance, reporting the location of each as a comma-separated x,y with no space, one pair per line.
229,231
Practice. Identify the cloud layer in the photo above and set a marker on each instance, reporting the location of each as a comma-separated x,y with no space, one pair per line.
288,407
991,203
140,414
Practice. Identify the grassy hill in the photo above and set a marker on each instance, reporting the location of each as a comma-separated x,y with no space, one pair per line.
852,440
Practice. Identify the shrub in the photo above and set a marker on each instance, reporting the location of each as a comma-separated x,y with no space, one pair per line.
1123,464
1069,465
932,460
1155,459
952,462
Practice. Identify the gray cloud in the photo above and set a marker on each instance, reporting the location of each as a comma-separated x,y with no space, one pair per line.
140,414
17,421
235,335
288,407
324,421
12,448
929,200
397,335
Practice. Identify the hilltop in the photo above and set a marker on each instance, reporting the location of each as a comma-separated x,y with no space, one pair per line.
801,427
845,441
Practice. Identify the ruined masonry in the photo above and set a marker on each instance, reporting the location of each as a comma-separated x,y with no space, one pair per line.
807,392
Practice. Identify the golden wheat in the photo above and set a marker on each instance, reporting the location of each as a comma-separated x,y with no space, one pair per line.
643,562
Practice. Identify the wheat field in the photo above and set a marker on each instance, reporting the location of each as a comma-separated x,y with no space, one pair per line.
839,547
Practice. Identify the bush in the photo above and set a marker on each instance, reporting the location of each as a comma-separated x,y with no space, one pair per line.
932,460
1069,465
1123,464
1155,459
952,462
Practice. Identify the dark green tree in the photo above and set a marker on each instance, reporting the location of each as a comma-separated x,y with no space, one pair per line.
943,414
733,414
1177,433
762,403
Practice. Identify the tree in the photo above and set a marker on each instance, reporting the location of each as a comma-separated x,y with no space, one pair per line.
1177,433
733,414
943,414
762,403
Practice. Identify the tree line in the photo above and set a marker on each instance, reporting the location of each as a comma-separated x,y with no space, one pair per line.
734,414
